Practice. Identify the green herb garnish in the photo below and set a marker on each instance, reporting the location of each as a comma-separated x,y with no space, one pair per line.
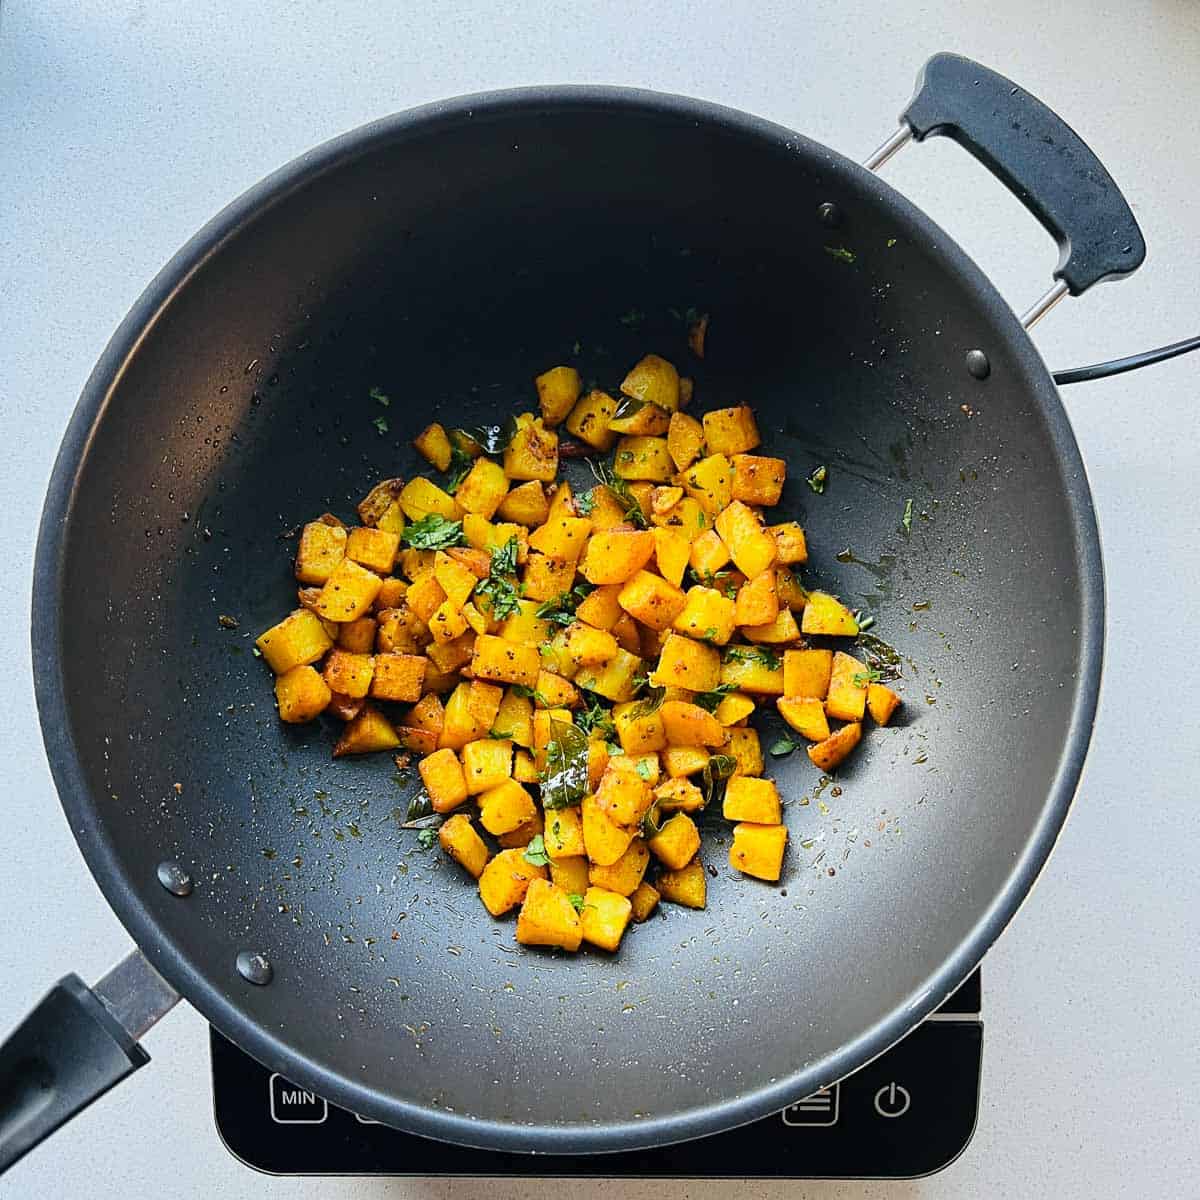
840,253
381,425
584,503
426,837
499,735
500,588
782,746
758,654
862,678
565,780
535,852
627,408
460,467
710,701
528,693
817,479
432,532
595,718
620,488
717,772
562,608
906,520
649,704
645,770
862,620
576,901
380,397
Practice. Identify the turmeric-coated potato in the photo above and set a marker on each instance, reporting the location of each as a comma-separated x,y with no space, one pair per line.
297,641
368,732
643,901
654,380
806,715
617,555
676,841
301,694
687,886
548,918
322,547
605,916
829,753
827,615
557,389
442,775
751,799
846,699
731,431
504,661
882,702
505,880
626,873
757,850
689,664
458,837
505,807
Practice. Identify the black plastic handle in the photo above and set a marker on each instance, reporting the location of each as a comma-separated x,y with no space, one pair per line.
68,1052
1039,158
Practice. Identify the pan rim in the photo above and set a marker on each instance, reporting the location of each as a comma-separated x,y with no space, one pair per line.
125,896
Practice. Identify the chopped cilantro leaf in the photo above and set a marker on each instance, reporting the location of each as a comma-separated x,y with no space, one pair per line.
817,479
432,532
535,852
379,397
381,425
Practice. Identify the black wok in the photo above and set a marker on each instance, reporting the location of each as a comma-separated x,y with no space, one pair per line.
446,255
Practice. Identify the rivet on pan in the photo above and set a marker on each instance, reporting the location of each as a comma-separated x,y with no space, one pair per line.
174,878
829,214
255,968
978,365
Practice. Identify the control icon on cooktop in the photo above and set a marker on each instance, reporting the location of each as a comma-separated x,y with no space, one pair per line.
819,1110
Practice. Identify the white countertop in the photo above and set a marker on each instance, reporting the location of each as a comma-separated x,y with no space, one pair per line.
127,124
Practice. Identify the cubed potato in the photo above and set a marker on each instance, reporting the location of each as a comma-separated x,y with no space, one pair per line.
548,918
546,578
624,794
731,431
562,502
680,761
588,420
532,453
601,608
752,671
557,389
486,764
710,483
757,600
847,696
599,752
348,593
663,499
525,626
439,681
374,549
505,881
433,445
679,795
640,732
414,563
672,549
421,497
525,505
570,874
301,695
483,489
398,677
322,547
504,807
826,614
757,850
639,419
690,725
643,458
605,917
588,647
349,673
476,620
651,600
687,663
555,692
297,641
524,768
456,580
523,834
687,886
616,556
676,842
655,380
564,833
750,546
734,708
790,543
643,902
707,616
425,596
615,679
708,554
806,715
391,593
836,747
779,632
459,839
358,637
561,538
806,672
367,733
478,562
746,750
459,724
791,592
451,656
685,440
379,500
427,713
758,480
482,534
498,659
447,623
605,841
882,702
626,873
442,774
514,719
419,741
751,799
686,517
483,702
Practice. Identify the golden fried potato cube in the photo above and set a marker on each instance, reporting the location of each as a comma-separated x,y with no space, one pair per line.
555,692
420,497
505,807
297,641
624,794
444,780
348,593
686,516
588,420
731,431
626,873
459,839
482,535
557,389
757,850
301,694
433,445
758,480
532,453
379,500
678,795
710,483
791,546
778,632
564,833
561,538
643,902
391,594
449,657
514,720
615,679
639,734
604,840
525,505
548,918
570,874
708,554
826,614
615,556
752,799
686,663
663,499
648,767
588,647
640,419
398,677
690,725
598,756
687,886
562,502
672,549
358,637
349,674
605,917
757,600
483,488
368,732
525,626
506,879
418,741
790,590
483,702
425,596
427,714
847,696
456,580
745,748
546,578
498,659
643,458
734,708
654,380
447,623
806,715
676,842
750,673
607,512
414,563
322,547
374,549
837,746
523,834
459,724
882,702
806,672
680,761
707,616
685,440
750,546
486,764
651,600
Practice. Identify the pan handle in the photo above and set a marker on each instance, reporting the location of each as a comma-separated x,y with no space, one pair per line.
75,1045
1039,158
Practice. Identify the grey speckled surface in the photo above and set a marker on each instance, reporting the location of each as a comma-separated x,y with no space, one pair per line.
128,124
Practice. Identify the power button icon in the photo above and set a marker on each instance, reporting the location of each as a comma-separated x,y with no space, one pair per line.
892,1100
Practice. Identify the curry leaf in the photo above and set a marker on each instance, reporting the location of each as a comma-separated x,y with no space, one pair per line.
717,771
565,780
